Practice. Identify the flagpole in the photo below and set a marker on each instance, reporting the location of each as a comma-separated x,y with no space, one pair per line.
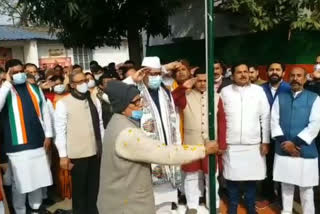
209,26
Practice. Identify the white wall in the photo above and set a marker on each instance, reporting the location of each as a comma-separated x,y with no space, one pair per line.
105,55
17,53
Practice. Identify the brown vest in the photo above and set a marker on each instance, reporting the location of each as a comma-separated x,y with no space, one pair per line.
125,186
80,134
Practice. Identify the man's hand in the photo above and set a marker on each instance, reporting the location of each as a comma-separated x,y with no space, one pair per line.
291,148
212,147
264,149
172,66
4,167
9,75
190,83
47,144
140,74
65,163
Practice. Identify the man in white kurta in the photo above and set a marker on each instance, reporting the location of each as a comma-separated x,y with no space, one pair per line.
295,122
244,120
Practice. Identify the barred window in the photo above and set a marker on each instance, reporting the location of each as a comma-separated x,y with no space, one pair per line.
83,57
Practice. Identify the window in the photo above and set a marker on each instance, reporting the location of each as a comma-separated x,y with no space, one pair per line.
83,57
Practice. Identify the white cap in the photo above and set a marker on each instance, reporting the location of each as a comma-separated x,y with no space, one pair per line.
151,62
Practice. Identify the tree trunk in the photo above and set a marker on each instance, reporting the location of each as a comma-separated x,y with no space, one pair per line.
135,45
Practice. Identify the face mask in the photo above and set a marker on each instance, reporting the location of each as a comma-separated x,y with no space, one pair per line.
105,98
91,83
83,88
19,78
59,89
154,82
97,76
137,115
167,81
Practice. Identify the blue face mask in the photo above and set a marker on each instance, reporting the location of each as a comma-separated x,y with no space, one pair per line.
137,115
155,82
19,78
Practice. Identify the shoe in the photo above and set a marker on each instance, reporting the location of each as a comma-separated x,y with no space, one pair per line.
182,200
202,200
61,211
48,202
191,211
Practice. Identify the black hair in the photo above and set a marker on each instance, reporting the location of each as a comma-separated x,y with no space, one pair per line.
30,64
129,62
75,66
58,66
95,68
108,75
126,68
199,71
89,73
93,62
11,63
57,77
253,66
283,66
223,66
233,68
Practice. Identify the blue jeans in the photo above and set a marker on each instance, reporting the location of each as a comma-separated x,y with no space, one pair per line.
234,195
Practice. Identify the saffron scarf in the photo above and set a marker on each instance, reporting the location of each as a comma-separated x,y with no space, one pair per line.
16,113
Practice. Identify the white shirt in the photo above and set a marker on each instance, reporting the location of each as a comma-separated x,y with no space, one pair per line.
60,122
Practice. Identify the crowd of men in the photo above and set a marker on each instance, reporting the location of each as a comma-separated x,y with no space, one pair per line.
134,138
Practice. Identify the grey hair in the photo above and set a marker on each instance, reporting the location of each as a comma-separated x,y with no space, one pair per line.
74,73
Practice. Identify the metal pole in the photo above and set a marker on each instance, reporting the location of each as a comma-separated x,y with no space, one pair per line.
209,5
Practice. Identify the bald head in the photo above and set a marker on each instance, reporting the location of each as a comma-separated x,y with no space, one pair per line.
298,77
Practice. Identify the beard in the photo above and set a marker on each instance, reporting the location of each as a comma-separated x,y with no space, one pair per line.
274,79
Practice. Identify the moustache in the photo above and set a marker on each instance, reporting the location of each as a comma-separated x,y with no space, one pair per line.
295,82
275,75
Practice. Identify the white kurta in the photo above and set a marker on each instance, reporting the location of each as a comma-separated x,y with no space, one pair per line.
244,163
296,170
247,107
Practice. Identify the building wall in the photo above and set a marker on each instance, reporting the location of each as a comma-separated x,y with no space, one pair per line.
105,55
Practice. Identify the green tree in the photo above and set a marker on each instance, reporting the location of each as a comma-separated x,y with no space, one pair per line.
264,15
17,13
92,23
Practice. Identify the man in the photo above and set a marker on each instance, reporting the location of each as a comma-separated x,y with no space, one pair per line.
103,97
193,104
27,133
126,185
79,132
314,85
275,86
159,121
243,117
219,80
32,69
254,75
295,123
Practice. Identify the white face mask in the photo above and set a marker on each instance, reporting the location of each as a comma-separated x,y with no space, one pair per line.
91,83
97,76
82,88
59,89
19,78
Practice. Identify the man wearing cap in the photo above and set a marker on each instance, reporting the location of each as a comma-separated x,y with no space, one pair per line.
79,134
160,122
126,185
